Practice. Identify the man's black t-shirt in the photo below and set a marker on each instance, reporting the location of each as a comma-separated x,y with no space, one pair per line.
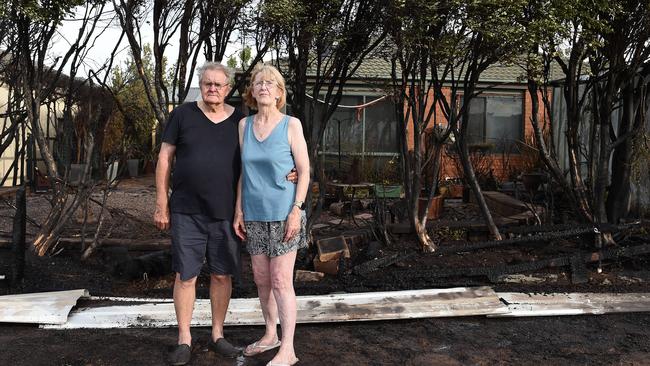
207,162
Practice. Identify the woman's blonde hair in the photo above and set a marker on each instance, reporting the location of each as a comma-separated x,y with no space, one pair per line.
273,74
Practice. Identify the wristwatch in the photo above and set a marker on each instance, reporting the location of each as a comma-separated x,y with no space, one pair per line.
299,204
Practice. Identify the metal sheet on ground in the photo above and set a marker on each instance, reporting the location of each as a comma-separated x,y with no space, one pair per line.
311,309
521,304
39,308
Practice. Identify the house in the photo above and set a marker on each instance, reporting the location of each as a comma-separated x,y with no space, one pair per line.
364,129
21,161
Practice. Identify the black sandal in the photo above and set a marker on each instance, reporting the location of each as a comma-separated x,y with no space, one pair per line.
224,348
180,354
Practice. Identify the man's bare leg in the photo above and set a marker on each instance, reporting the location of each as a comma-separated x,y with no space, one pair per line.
184,296
220,292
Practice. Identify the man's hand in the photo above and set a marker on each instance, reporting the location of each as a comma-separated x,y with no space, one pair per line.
292,226
293,176
161,217
238,225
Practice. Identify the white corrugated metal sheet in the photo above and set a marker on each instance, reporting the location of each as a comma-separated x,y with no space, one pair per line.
39,308
311,309
520,304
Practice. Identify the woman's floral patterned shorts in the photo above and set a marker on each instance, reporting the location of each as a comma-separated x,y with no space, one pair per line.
265,237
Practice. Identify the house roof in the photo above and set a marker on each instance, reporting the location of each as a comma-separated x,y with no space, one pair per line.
379,68
193,95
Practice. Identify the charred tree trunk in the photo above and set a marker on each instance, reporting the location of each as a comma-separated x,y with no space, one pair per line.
631,123
424,239
471,79
605,97
183,53
418,217
18,240
61,211
126,16
468,171
572,99
544,153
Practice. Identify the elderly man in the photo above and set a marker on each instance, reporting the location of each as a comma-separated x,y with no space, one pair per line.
203,138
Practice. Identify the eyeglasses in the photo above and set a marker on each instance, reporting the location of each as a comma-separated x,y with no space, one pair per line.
267,83
217,86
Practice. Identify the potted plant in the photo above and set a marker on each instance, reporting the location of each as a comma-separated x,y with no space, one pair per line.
388,191
76,173
452,187
387,185
532,175
436,205
532,180
132,154
150,160
480,160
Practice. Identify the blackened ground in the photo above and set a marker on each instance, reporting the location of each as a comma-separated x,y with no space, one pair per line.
620,339
577,340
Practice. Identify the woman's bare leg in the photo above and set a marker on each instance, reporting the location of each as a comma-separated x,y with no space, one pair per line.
281,270
262,276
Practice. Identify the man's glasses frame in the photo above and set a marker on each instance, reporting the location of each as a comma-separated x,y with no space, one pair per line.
217,86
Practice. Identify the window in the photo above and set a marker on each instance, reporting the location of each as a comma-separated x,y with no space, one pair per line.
368,136
496,120
344,132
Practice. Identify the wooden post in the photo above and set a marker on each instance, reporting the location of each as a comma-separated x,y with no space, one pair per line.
18,237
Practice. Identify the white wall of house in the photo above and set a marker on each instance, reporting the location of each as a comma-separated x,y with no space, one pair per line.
640,188
47,124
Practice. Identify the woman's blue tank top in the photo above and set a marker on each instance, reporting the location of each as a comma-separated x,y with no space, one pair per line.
266,193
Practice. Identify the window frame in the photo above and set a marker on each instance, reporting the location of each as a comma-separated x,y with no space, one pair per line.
516,94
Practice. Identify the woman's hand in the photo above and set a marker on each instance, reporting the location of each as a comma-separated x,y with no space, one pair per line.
292,226
238,225
293,176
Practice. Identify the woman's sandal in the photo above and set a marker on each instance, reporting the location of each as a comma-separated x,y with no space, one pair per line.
255,348
284,364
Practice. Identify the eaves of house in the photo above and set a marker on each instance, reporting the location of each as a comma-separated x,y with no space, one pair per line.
378,71
374,76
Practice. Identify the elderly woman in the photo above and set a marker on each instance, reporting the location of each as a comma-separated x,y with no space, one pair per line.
270,210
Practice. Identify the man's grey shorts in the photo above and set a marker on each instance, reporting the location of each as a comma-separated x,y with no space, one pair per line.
198,239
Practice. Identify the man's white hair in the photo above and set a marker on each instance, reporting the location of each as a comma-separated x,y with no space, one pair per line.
211,65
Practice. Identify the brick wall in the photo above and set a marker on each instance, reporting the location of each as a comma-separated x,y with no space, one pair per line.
502,165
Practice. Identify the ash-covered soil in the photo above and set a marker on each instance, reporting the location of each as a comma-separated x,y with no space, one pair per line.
620,339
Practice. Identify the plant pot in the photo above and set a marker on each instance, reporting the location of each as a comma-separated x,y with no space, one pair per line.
435,206
455,191
467,194
149,167
387,191
76,174
42,182
532,181
444,191
132,166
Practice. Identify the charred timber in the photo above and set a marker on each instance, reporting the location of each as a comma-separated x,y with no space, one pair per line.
531,229
470,246
375,264
547,235
494,271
